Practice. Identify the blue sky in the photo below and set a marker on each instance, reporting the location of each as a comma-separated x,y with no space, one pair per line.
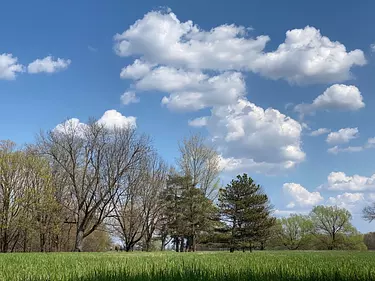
230,63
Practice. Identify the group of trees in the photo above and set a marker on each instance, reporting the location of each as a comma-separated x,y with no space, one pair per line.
325,228
81,182
82,185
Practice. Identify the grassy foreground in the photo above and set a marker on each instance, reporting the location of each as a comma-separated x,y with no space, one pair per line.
301,266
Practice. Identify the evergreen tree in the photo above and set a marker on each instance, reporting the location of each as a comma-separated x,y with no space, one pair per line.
189,213
247,212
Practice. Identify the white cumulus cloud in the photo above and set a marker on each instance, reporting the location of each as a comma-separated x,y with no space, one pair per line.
9,67
112,118
48,65
192,90
338,96
136,70
128,98
369,144
354,202
251,137
339,181
162,38
71,126
301,196
306,56
320,131
342,136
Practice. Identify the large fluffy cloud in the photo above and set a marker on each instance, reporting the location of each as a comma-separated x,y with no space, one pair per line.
308,57
342,136
136,70
341,181
354,202
305,57
301,196
48,65
190,90
338,96
250,136
9,67
162,39
71,126
112,118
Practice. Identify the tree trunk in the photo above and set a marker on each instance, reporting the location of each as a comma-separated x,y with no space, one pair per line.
79,240
163,239
177,243
182,244
191,244
15,242
333,241
5,243
148,243
25,242
42,242
194,244
188,244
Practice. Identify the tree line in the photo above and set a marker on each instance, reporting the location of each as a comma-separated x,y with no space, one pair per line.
80,186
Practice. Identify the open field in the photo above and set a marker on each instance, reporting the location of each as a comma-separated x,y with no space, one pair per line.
216,266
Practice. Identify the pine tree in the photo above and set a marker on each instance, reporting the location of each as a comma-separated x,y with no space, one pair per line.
246,210
188,211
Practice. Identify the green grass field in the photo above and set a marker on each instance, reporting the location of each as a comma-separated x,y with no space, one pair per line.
210,266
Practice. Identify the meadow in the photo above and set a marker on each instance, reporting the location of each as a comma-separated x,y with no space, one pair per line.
218,266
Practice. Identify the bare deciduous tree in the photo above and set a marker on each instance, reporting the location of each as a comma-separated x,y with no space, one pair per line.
369,213
93,158
152,192
138,208
200,162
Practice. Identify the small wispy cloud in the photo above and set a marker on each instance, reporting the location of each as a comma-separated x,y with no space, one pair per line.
92,49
